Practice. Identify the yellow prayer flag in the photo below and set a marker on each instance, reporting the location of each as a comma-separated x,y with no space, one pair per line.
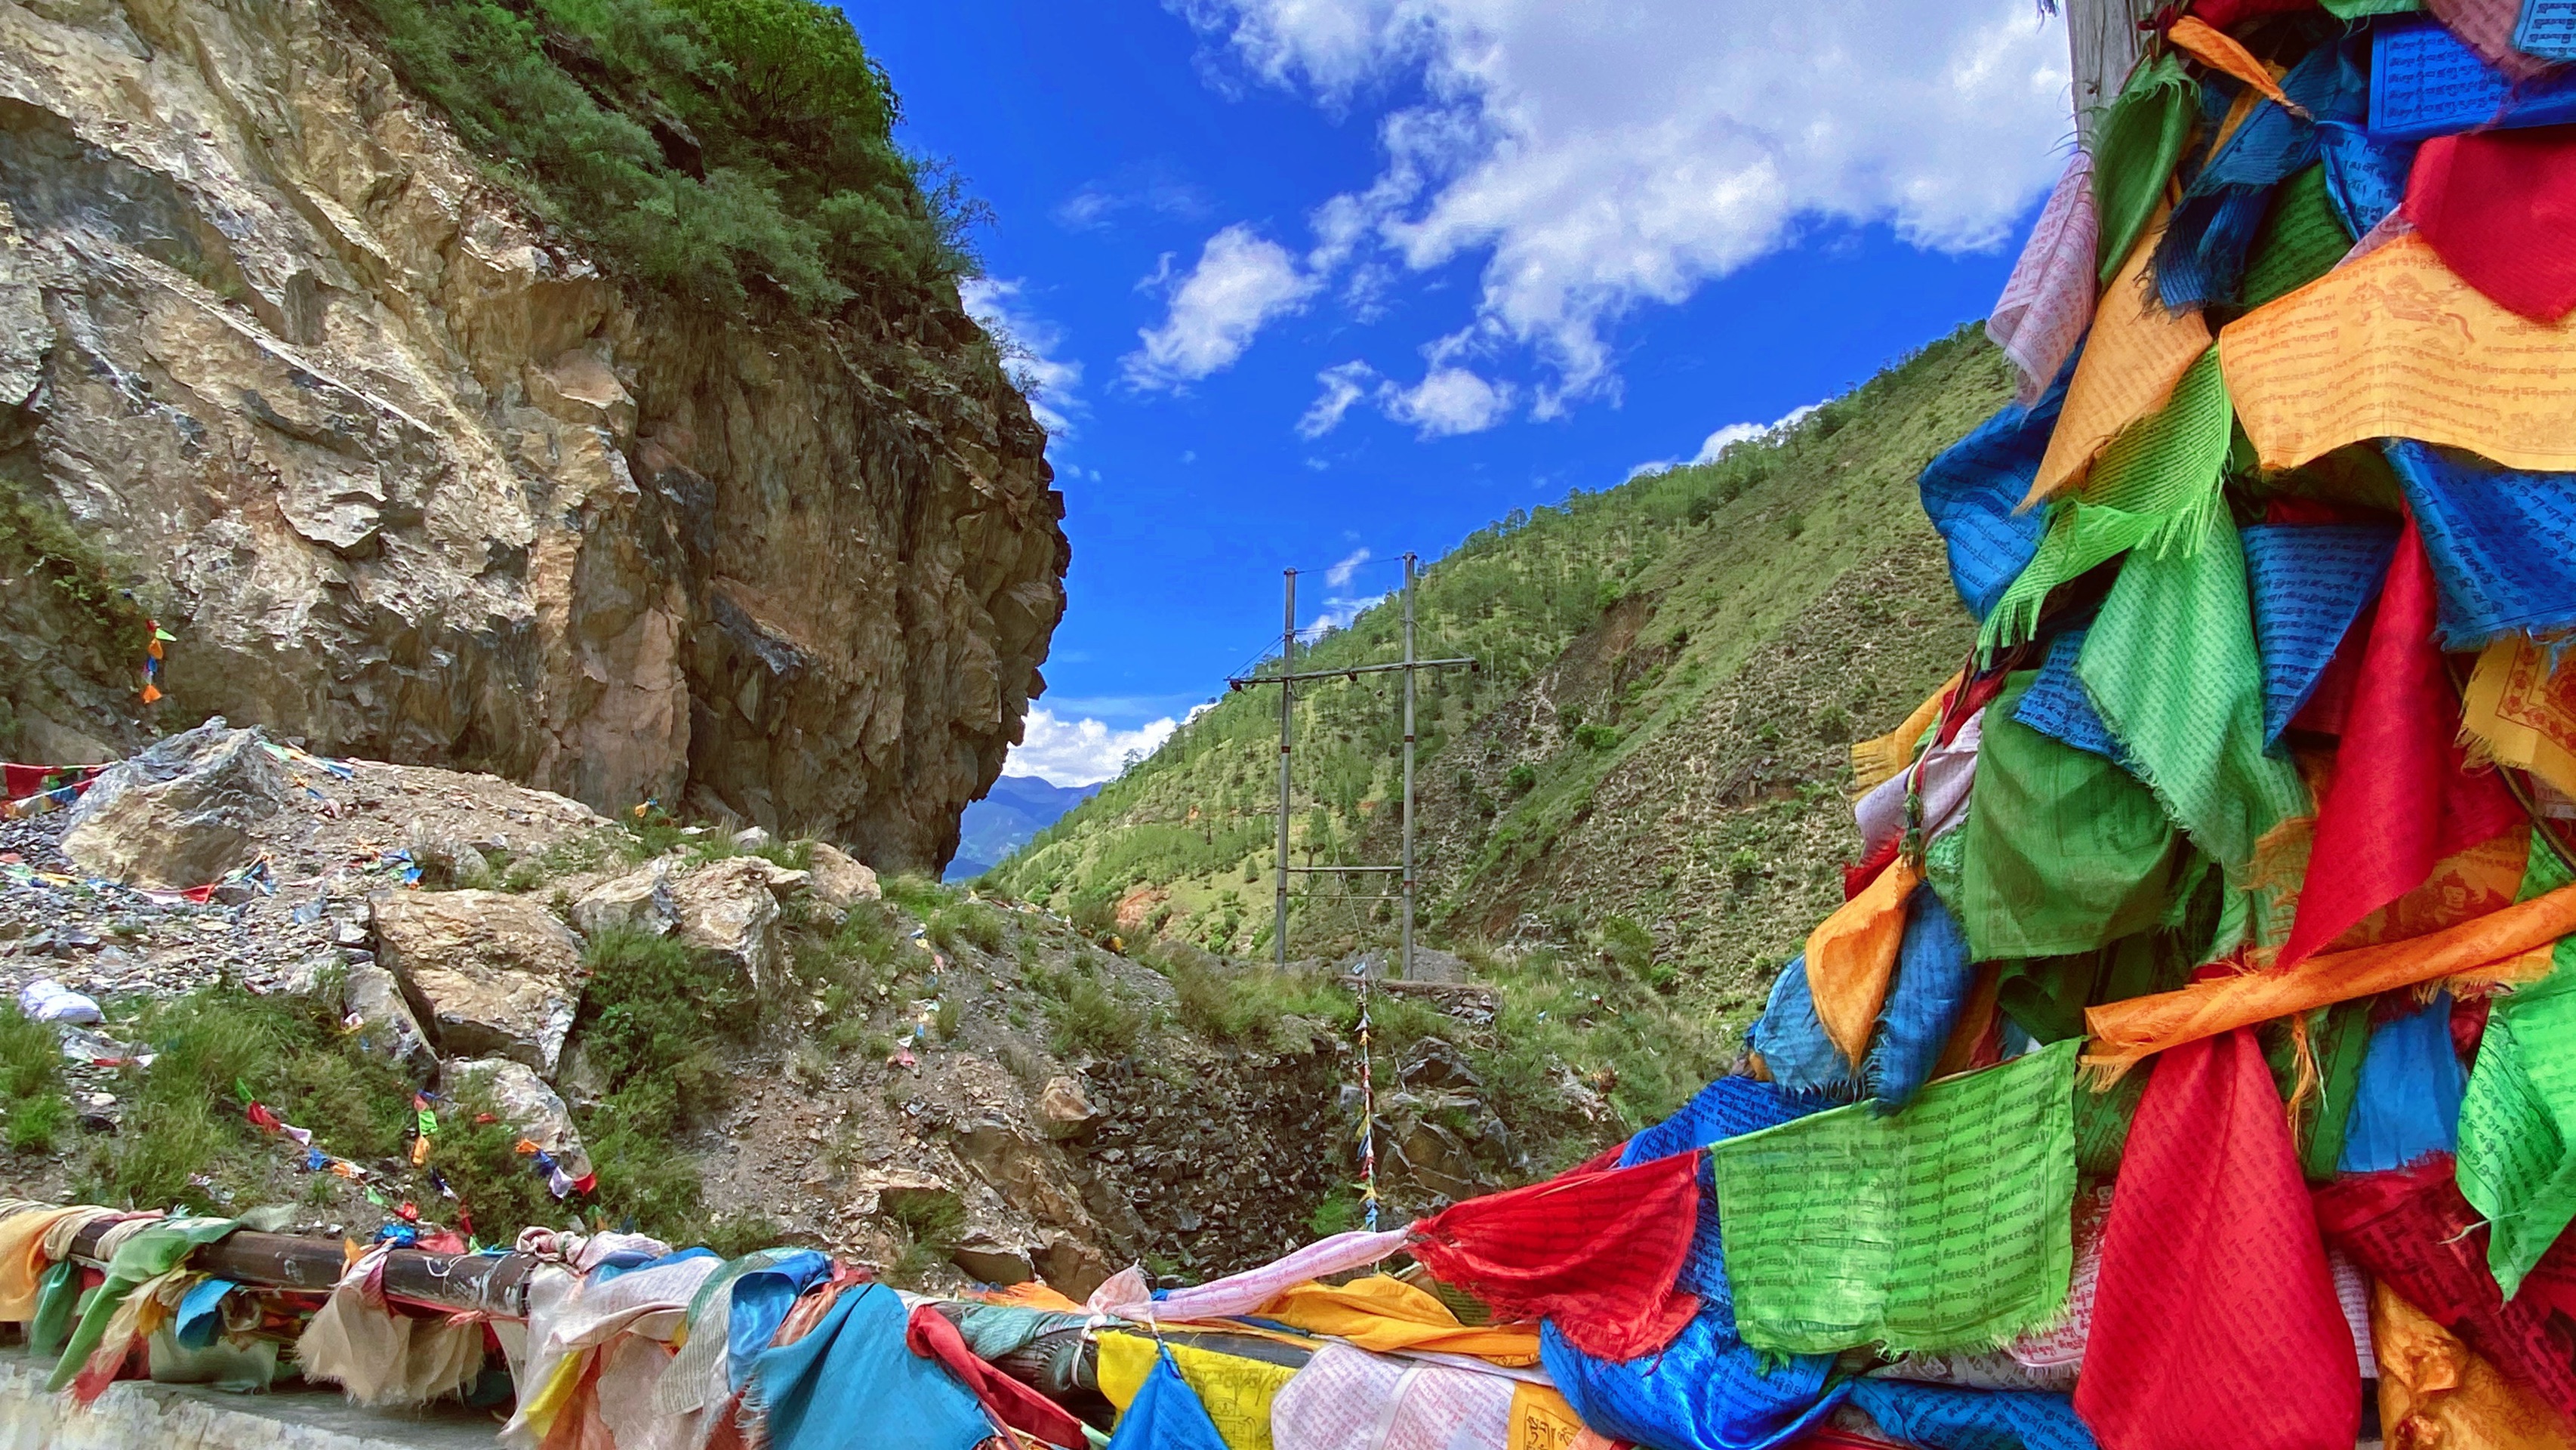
2393,345
1542,1420
2135,355
1236,1392
2522,713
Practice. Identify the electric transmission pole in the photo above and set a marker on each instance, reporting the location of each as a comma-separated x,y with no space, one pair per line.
1287,679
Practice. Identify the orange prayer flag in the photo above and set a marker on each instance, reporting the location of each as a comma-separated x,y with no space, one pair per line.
1851,956
2220,52
2501,944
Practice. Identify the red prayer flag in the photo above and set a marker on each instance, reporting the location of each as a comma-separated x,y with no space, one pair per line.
1594,1253
2214,1314
2401,798
2228,14
2499,208
930,1335
2410,1228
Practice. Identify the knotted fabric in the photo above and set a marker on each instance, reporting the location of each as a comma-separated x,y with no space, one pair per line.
2436,1391
2491,948
2214,1317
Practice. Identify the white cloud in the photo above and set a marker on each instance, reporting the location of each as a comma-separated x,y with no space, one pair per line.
1097,204
1029,345
1078,752
1733,433
1714,446
1448,400
1242,281
1344,385
1598,158
1339,576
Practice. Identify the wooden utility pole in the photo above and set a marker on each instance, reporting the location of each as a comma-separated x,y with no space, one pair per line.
2102,40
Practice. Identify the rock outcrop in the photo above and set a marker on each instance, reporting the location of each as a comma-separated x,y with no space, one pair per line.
423,483
490,974
180,814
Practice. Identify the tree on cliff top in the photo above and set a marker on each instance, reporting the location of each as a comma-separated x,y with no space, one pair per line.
713,147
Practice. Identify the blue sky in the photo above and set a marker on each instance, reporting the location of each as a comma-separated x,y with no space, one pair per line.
1306,278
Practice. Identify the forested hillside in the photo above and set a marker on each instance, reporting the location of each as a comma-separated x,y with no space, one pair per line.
1653,759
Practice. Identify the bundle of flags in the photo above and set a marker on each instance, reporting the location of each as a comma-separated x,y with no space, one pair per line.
32,790
2236,869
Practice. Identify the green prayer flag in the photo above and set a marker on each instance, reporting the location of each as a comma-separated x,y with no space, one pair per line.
2102,1120
2135,150
2356,9
2046,996
2155,487
2519,1112
1944,859
1944,1226
2300,241
2171,664
2338,1039
2064,851
58,1297
148,1255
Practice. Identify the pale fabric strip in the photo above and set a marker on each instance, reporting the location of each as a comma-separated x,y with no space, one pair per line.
2048,301
1242,1293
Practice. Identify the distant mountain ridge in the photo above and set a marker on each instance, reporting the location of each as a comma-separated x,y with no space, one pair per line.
1009,815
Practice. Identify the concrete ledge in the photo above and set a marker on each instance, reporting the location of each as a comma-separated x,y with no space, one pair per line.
136,1415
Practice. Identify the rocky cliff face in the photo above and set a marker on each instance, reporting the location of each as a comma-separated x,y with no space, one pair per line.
411,479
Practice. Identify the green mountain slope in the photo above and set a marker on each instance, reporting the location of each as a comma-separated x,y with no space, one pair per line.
1654,757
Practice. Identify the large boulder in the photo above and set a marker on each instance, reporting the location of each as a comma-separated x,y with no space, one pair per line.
840,882
493,975
731,909
386,1025
181,812
521,1099
637,901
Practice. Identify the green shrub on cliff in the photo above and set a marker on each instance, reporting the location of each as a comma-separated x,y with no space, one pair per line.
715,147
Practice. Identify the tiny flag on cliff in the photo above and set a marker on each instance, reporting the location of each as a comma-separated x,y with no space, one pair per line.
152,656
